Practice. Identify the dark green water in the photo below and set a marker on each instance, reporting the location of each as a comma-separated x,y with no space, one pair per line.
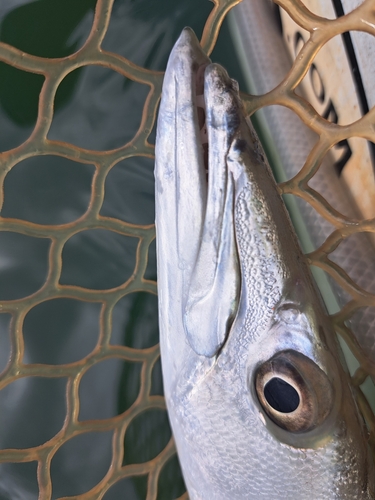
95,108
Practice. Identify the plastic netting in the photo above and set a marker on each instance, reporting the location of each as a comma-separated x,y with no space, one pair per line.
54,71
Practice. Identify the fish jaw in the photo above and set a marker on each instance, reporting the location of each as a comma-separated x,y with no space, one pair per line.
198,232
218,345
180,195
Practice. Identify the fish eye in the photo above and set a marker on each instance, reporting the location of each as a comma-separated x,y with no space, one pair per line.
293,391
281,396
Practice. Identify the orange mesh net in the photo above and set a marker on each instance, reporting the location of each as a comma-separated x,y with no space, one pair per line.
54,71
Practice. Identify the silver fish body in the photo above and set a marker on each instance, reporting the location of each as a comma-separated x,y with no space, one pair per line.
258,401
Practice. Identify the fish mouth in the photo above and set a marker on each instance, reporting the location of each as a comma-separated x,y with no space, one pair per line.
218,115
214,289
198,120
201,114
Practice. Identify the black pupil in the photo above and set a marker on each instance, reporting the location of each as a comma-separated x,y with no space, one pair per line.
281,395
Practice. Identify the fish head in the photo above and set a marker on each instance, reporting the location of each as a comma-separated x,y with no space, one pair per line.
258,399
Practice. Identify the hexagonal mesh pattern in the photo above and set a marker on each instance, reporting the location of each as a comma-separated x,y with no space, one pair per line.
55,70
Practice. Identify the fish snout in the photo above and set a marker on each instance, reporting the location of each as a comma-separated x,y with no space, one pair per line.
222,101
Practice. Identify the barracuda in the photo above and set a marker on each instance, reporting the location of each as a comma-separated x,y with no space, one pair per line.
258,401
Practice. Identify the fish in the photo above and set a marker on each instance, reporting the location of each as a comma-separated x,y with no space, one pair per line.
258,396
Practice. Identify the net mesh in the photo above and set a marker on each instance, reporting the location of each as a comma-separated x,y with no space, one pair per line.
54,71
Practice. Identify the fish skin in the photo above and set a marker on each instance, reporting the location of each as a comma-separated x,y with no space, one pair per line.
228,446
